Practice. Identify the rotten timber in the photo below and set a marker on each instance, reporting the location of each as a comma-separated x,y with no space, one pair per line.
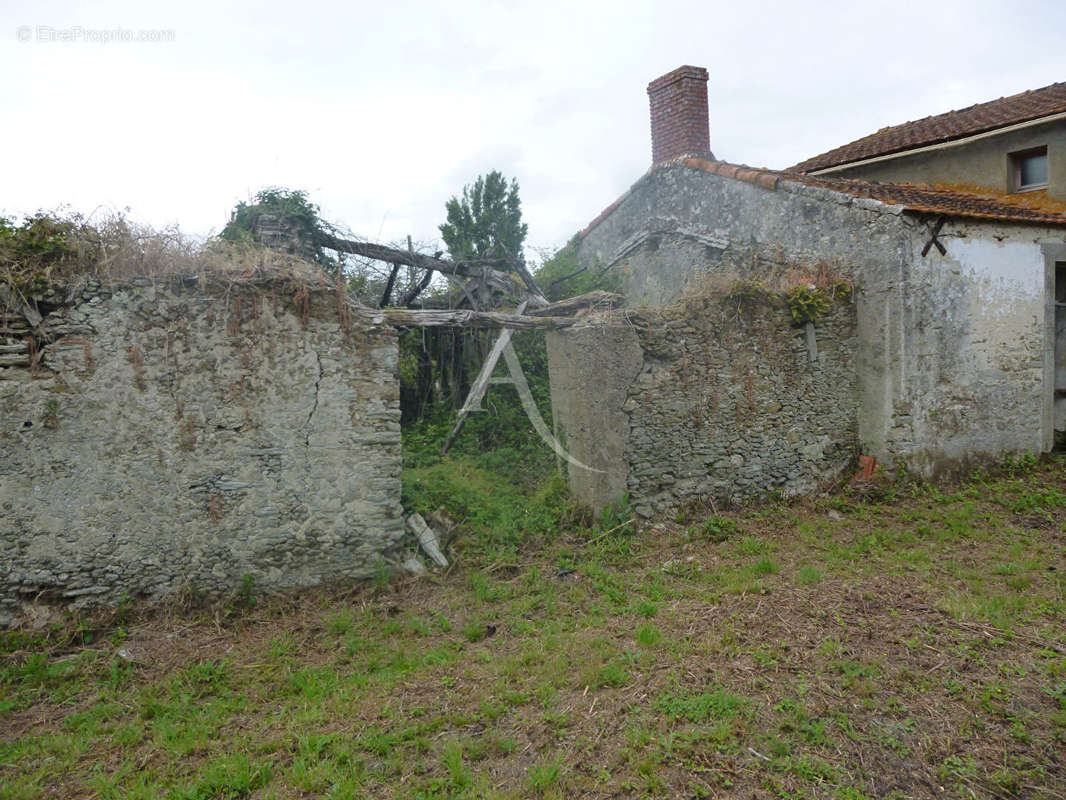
484,270
464,318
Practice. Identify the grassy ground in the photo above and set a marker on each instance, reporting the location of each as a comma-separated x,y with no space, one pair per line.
842,647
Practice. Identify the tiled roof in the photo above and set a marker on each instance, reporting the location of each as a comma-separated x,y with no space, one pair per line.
972,202
970,121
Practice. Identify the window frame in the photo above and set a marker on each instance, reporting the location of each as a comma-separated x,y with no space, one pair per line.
1015,160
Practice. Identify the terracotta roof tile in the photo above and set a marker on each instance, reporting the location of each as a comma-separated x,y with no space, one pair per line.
934,199
976,119
954,201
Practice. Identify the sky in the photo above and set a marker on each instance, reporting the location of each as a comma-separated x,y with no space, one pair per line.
381,111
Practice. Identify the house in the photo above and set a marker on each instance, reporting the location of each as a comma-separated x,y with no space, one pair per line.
1012,145
939,343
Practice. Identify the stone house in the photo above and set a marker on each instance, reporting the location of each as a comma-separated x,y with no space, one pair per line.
949,350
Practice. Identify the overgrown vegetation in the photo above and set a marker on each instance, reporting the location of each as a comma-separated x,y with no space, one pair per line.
53,250
499,479
809,302
302,217
560,274
908,641
806,301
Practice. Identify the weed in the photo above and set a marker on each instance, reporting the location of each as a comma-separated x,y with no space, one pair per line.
750,546
648,635
765,566
244,598
50,416
698,707
613,674
545,775
475,630
646,608
715,529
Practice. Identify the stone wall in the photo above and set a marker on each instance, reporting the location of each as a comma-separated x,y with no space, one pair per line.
705,401
733,404
592,369
175,437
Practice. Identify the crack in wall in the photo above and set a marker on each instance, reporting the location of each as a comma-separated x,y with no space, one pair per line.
314,408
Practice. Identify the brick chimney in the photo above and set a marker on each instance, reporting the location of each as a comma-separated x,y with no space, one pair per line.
679,124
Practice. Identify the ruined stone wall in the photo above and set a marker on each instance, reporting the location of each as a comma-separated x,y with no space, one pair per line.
177,437
592,369
733,404
705,401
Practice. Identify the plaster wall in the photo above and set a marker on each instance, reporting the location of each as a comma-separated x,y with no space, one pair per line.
983,162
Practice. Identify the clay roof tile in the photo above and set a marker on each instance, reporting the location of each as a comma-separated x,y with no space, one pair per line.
976,119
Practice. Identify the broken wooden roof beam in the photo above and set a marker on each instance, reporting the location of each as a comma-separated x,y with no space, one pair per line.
486,270
562,314
462,318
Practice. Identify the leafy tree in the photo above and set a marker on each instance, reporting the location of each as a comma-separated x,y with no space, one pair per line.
486,222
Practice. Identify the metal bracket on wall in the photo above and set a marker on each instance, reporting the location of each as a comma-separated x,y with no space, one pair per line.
933,240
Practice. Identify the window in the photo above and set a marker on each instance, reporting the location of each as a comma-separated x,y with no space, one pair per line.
1029,169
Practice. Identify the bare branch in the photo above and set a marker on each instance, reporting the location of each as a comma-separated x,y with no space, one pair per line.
387,294
483,269
417,289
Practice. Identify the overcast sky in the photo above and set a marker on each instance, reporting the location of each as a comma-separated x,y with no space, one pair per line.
383,110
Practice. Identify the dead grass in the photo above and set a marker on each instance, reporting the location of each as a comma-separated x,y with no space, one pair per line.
906,643
68,251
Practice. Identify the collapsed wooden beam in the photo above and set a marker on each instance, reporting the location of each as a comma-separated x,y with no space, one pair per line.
465,318
582,301
483,269
460,318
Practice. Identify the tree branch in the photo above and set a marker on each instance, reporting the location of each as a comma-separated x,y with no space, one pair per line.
483,269
388,286
416,290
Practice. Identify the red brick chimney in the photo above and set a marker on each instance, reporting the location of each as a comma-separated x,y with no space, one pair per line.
679,124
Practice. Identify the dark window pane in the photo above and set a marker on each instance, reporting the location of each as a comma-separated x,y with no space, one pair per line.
1033,170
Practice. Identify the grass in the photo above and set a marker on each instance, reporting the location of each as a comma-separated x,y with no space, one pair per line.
844,647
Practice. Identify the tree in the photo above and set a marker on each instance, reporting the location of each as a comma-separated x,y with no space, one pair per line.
487,221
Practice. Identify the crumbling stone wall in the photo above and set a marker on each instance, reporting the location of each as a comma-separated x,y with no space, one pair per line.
177,436
704,402
733,404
